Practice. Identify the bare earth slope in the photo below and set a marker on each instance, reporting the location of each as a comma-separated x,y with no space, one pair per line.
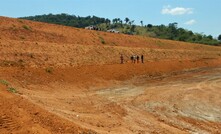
69,80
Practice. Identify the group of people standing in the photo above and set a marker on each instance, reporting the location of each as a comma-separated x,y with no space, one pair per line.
133,58
136,59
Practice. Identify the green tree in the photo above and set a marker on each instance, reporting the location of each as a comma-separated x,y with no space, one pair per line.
210,37
118,20
149,25
133,28
171,31
141,22
114,21
121,22
174,25
131,22
219,37
126,20
199,36
107,21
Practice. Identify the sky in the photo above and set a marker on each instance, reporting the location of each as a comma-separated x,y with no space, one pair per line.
201,16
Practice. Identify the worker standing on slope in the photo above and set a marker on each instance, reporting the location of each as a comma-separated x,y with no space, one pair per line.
138,59
121,59
142,59
132,59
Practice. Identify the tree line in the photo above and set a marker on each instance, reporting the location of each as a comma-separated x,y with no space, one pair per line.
127,26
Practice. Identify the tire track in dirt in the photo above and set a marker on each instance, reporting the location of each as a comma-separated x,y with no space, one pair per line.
8,123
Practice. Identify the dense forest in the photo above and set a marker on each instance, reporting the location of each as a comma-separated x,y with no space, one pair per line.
127,26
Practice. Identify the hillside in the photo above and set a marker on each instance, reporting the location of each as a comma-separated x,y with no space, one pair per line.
170,31
33,43
70,80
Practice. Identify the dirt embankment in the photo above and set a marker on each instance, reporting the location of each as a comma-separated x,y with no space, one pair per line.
112,99
20,116
59,73
37,44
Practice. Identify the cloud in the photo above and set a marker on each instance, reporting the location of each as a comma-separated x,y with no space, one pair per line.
176,11
190,22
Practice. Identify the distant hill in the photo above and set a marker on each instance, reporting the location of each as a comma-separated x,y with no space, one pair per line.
171,32
68,20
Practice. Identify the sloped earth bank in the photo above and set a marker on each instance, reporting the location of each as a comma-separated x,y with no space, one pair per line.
69,80
19,116
155,97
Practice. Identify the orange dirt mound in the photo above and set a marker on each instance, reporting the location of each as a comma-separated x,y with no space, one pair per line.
69,80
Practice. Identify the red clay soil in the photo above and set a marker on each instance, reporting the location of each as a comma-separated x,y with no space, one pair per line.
20,116
68,81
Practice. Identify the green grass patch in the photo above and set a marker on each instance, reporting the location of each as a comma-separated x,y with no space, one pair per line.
102,40
26,27
159,43
12,90
4,82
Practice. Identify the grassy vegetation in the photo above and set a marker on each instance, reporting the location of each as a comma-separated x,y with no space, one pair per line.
12,90
21,21
9,88
4,82
102,40
26,27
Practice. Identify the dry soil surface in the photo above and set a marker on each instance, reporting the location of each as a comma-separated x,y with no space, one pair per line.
57,79
187,101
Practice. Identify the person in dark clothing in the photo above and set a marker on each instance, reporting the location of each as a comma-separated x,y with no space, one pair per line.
142,59
121,59
132,59
138,59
